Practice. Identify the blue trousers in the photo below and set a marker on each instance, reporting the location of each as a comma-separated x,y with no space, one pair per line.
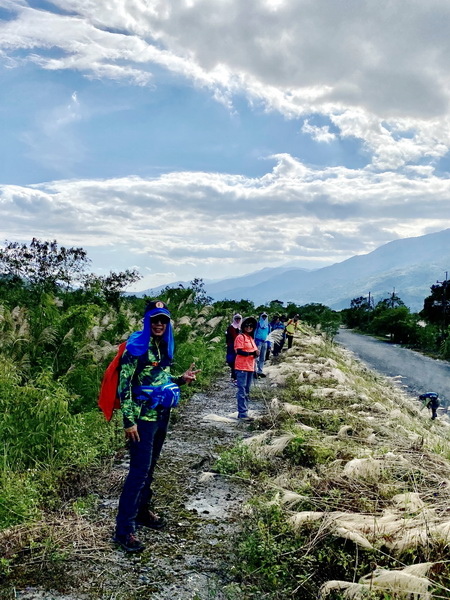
262,346
244,381
136,493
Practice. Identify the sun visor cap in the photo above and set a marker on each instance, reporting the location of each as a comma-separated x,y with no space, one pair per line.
157,307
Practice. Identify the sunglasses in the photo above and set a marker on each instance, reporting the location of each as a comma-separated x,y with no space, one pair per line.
163,319
248,325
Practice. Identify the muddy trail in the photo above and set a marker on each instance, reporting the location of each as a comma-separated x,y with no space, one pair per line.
192,557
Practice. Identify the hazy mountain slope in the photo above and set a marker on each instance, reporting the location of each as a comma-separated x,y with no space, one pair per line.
409,265
250,280
219,288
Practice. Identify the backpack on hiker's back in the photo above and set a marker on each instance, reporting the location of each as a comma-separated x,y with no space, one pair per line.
108,398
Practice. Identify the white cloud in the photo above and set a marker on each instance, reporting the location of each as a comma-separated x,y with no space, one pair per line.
380,76
52,139
200,222
319,134
375,73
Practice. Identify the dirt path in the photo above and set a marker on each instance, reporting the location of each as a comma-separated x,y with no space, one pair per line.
190,558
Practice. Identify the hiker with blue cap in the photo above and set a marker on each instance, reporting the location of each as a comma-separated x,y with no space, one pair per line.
147,392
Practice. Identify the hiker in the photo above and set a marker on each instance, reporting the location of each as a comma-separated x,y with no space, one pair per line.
147,390
291,327
276,324
431,401
261,333
230,336
246,351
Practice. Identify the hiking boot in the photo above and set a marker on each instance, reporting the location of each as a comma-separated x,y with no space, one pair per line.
246,419
262,375
147,518
129,543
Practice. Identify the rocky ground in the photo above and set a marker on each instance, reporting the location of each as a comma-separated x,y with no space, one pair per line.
192,558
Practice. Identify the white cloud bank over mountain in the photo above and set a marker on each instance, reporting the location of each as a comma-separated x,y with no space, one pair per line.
213,221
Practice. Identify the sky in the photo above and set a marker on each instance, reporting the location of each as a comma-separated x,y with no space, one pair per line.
213,138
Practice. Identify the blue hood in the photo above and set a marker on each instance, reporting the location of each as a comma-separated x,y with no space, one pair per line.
139,341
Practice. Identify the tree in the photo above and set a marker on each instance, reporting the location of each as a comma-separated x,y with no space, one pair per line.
398,323
43,265
359,314
361,302
244,307
436,306
197,285
317,314
276,306
112,285
393,301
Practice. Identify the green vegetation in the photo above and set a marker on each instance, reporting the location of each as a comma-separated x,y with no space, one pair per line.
324,447
55,343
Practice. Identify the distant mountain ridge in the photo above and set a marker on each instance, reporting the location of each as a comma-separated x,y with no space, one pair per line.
410,265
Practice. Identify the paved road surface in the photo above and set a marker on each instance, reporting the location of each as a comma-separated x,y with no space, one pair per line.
419,373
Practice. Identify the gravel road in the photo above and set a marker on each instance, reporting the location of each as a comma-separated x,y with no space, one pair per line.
417,373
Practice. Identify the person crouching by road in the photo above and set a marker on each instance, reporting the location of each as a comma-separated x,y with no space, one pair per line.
246,351
147,392
431,401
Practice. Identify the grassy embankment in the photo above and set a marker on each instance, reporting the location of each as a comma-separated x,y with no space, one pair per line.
352,485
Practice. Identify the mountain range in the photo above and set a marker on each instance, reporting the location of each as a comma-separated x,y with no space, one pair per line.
407,266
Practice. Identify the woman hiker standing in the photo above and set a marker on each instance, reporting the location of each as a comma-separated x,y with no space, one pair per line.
230,336
246,351
147,390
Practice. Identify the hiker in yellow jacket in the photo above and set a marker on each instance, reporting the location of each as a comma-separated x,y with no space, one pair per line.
291,327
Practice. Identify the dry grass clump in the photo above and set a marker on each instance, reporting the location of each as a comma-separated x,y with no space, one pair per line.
388,492
70,533
409,583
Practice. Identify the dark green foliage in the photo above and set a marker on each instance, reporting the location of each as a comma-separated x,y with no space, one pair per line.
307,453
392,320
43,264
200,297
243,307
436,306
110,287
319,315
396,323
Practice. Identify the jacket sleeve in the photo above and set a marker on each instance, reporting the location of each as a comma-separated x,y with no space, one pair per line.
130,410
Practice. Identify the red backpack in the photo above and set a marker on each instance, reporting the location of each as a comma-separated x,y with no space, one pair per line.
108,398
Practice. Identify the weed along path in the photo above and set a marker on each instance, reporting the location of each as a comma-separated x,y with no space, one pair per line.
186,560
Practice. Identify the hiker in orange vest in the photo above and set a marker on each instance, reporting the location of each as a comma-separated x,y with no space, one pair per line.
147,392
246,352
